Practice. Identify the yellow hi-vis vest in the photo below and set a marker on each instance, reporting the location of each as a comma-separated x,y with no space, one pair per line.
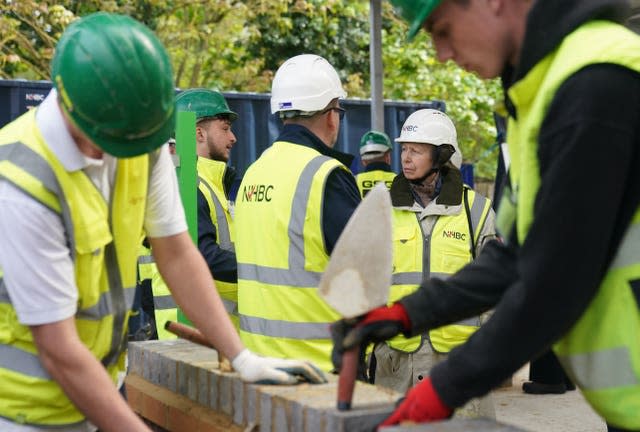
211,175
601,352
164,306
104,251
446,249
368,179
281,254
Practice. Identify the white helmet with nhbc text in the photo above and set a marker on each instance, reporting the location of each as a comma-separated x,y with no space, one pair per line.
305,83
429,126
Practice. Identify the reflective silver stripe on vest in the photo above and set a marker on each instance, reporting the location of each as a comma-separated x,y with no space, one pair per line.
629,251
230,306
4,294
477,208
21,361
284,329
406,278
295,275
297,278
473,321
224,236
164,302
442,276
602,369
119,304
146,259
34,164
104,307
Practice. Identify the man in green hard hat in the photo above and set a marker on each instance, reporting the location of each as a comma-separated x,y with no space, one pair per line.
81,178
214,141
375,155
567,274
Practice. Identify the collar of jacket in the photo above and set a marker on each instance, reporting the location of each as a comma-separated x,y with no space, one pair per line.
298,134
378,166
548,23
450,192
217,172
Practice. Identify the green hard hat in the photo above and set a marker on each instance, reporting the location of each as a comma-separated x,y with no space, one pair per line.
205,103
114,80
373,143
414,12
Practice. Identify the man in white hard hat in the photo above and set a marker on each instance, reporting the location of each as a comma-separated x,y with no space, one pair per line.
440,224
291,207
567,276
375,155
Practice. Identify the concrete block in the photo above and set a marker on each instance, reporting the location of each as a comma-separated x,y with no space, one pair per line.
135,353
239,401
182,378
214,389
457,425
225,393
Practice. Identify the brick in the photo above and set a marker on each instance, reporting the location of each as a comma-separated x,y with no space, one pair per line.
214,389
239,403
203,386
182,377
225,393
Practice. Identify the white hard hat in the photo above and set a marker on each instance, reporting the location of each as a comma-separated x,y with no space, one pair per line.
305,83
431,126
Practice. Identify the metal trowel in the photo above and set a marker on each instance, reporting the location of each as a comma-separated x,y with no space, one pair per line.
358,275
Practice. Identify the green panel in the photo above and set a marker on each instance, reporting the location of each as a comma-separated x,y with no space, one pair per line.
187,176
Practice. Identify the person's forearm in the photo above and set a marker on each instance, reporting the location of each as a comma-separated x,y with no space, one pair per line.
473,290
83,378
187,276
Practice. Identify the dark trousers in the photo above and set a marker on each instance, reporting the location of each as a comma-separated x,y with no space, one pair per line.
546,369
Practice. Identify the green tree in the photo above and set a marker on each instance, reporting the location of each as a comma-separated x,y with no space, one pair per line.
238,45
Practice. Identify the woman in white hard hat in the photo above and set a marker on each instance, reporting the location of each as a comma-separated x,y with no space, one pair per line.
439,225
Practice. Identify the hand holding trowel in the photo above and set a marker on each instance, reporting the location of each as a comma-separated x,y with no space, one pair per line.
358,276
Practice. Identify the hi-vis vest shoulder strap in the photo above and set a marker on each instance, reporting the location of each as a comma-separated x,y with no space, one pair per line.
449,249
601,352
281,314
368,179
210,177
103,245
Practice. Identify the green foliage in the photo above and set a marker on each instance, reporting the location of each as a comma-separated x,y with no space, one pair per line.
237,45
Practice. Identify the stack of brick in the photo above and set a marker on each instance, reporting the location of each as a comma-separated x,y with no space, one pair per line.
178,386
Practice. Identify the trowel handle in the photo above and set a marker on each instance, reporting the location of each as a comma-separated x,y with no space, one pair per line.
347,379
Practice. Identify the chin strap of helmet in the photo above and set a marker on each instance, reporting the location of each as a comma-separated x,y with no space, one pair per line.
441,155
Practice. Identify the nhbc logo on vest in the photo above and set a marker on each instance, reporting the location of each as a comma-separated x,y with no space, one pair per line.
455,235
257,193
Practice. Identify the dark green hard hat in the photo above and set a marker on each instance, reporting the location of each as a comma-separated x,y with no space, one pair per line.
414,12
114,80
205,103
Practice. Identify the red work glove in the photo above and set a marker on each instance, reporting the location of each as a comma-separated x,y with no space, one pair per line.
421,405
377,325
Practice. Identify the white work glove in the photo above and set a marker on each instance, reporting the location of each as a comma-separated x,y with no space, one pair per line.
269,370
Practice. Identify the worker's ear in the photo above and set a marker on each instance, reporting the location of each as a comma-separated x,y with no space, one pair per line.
332,120
200,133
495,6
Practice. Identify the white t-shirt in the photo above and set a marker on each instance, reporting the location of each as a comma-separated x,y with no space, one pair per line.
38,270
